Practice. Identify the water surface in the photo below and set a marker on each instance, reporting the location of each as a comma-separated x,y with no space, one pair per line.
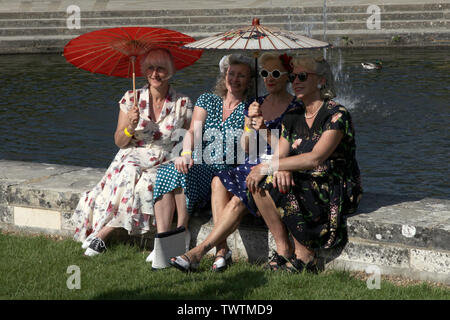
52,112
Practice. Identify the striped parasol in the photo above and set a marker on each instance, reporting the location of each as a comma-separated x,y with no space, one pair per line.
257,37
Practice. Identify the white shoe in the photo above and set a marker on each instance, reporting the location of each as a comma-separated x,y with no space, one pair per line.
96,247
150,257
222,262
86,244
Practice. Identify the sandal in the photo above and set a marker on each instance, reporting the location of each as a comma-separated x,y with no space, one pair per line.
279,262
297,265
183,263
221,262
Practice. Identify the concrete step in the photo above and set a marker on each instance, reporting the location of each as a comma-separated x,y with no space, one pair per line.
17,13
346,38
217,28
399,235
237,20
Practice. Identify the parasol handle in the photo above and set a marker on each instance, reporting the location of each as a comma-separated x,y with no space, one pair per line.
133,59
255,54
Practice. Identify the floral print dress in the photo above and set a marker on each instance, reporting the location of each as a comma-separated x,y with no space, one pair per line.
314,209
234,179
124,196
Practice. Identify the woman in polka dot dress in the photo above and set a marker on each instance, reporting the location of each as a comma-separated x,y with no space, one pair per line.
124,198
229,190
217,118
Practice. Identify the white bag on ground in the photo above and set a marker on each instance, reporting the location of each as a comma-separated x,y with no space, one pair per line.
168,244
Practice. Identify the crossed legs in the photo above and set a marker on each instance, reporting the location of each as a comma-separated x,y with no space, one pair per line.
228,211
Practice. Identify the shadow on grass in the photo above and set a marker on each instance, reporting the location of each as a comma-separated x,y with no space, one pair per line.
198,286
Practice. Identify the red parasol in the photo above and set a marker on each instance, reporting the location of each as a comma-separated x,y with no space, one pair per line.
115,51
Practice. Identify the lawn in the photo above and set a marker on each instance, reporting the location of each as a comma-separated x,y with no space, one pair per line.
37,268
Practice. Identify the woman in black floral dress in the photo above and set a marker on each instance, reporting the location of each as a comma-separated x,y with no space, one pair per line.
316,181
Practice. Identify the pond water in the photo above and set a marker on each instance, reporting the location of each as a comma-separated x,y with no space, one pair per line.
54,113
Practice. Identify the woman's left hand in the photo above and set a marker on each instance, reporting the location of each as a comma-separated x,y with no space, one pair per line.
283,180
254,178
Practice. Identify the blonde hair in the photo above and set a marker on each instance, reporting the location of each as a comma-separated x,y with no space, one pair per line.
220,88
158,57
319,66
270,56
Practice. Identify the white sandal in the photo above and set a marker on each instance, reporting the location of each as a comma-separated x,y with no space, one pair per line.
183,263
222,262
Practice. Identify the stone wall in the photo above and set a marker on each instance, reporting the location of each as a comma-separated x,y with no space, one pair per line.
398,235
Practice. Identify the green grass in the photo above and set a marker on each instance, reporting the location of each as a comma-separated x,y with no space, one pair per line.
36,268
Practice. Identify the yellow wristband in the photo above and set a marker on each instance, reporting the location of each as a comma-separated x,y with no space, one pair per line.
127,133
186,152
247,129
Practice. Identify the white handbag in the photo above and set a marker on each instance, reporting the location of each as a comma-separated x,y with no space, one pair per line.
167,245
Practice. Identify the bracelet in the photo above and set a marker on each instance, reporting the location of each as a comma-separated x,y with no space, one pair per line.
127,133
269,170
186,152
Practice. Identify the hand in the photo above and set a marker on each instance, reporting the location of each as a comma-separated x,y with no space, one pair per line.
284,181
254,110
133,117
253,178
184,163
257,123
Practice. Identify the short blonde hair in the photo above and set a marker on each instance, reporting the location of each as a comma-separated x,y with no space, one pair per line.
158,57
270,56
319,66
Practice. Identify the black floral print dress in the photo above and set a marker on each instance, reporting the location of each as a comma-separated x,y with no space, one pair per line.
314,209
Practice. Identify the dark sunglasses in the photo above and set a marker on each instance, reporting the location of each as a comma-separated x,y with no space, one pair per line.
302,76
274,74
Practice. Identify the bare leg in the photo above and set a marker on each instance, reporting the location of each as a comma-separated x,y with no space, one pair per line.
273,221
302,252
220,197
164,210
233,213
182,214
278,229
105,232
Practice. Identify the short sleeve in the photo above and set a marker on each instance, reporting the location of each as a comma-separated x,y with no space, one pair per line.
203,101
126,103
338,119
187,109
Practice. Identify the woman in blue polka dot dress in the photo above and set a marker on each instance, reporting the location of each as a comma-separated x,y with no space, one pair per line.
217,118
229,190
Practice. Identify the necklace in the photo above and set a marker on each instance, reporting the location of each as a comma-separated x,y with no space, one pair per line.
229,106
313,115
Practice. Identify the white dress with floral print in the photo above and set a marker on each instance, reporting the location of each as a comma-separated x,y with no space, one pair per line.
124,196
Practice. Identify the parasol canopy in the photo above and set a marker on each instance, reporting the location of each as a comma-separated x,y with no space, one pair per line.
257,37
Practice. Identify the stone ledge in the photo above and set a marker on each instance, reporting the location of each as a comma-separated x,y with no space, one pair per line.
401,235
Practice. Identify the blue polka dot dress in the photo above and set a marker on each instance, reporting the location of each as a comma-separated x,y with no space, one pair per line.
234,179
208,162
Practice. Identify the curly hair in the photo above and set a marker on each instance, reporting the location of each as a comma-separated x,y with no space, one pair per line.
220,88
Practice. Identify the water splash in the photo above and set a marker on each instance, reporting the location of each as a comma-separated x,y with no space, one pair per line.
346,95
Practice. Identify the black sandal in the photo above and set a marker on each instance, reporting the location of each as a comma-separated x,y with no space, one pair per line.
279,260
297,265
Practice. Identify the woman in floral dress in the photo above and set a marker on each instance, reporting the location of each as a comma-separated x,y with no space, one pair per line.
216,122
316,181
124,196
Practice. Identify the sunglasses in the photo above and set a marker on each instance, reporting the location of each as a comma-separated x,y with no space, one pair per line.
274,74
302,76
